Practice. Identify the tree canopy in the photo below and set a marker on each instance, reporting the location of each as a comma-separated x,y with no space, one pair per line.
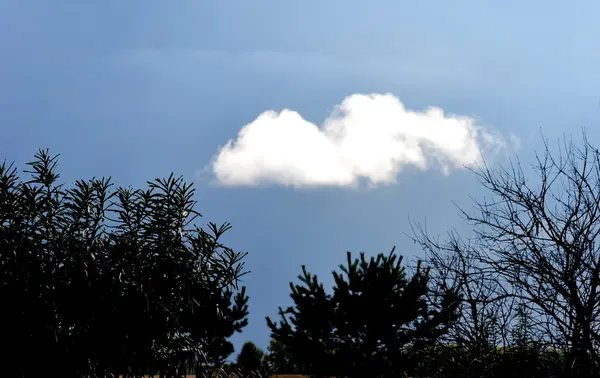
373,323
250,360
97,280
279,359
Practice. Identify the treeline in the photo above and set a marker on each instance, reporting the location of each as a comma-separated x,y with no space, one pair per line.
436,361
103,281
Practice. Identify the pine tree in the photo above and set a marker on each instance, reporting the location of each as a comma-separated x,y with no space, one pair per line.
251,360
373,324
279,359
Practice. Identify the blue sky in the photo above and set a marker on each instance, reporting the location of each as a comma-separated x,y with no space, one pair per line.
137,89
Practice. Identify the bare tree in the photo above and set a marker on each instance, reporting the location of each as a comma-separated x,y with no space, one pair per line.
535,241
486,308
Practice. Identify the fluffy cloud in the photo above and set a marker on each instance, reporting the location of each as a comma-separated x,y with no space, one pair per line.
369,137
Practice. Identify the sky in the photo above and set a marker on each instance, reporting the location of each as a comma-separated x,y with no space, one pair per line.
313,127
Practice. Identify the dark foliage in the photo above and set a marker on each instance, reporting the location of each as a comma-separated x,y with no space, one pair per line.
96,281
279,359
372,325
251,360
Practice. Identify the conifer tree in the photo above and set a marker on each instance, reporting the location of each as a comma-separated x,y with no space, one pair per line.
251,360
374,323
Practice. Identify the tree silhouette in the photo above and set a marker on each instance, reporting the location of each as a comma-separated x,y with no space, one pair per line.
96,281
279,359
374,324
537,236
250,360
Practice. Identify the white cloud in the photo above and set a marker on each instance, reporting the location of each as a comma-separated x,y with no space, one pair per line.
369,137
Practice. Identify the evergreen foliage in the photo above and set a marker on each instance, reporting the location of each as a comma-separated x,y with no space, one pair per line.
372,324
96,280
